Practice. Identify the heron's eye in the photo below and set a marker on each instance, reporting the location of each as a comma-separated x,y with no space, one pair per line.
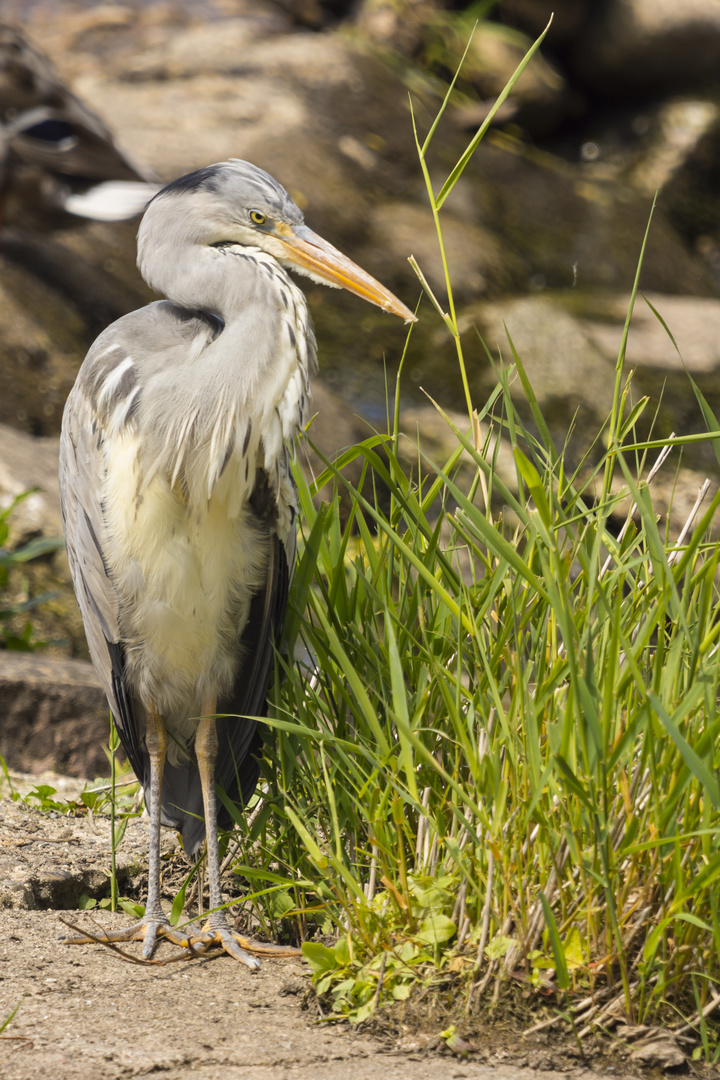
257,217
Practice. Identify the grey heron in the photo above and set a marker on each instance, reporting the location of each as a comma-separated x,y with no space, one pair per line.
178,503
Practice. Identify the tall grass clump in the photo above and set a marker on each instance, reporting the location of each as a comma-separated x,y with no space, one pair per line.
499,756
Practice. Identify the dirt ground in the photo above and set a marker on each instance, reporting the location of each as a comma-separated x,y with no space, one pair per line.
86,1013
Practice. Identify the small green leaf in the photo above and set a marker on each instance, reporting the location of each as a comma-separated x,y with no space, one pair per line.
364,1012
436,929
135,910
408,951
572,946
10,1017
656,936
497,948
341,951
319,957
120,831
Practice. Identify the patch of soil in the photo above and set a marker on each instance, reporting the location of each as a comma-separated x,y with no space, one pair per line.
84,1013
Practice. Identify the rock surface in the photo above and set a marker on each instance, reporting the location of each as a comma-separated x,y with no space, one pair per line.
54,715
48,861
25,463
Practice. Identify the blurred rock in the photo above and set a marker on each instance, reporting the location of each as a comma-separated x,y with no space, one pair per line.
569,346
661,367
532,16
690,194
397,25
56,294
648,45
293,104
55,715
541,97
682,132
30,463
569,374
473,253
202,50
562,227
693,321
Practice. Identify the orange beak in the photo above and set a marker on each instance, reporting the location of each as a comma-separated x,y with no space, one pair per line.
314,256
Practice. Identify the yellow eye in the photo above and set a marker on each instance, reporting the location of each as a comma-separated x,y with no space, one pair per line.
257,218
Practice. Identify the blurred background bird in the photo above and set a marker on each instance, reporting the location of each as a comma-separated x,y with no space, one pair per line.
178,502
57,158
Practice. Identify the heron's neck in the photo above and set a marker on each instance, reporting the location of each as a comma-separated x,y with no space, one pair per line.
199,278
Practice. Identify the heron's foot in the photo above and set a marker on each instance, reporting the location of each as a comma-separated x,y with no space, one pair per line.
150,929
242,948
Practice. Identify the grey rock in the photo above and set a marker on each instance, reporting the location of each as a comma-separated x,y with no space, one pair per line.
653,1047
200,49
27,462
569,16
647,44
682,130
18,895
473,252
693,321
567,371
53,714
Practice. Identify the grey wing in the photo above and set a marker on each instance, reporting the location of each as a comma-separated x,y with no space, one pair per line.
81,476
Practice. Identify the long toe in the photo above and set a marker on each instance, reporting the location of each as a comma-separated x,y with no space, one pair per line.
242,948
149,930
225,937
266,948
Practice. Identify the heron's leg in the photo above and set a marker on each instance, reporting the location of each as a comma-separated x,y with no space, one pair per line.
217,928
154,923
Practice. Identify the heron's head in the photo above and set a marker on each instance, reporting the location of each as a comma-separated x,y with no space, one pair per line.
236,203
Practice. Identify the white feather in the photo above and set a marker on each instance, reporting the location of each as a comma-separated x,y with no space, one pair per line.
113,200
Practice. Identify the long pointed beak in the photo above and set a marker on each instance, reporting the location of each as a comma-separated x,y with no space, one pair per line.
312,255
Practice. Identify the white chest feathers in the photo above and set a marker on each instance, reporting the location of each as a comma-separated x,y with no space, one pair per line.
185,572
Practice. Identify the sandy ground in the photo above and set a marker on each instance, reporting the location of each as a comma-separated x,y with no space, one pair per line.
87,1014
